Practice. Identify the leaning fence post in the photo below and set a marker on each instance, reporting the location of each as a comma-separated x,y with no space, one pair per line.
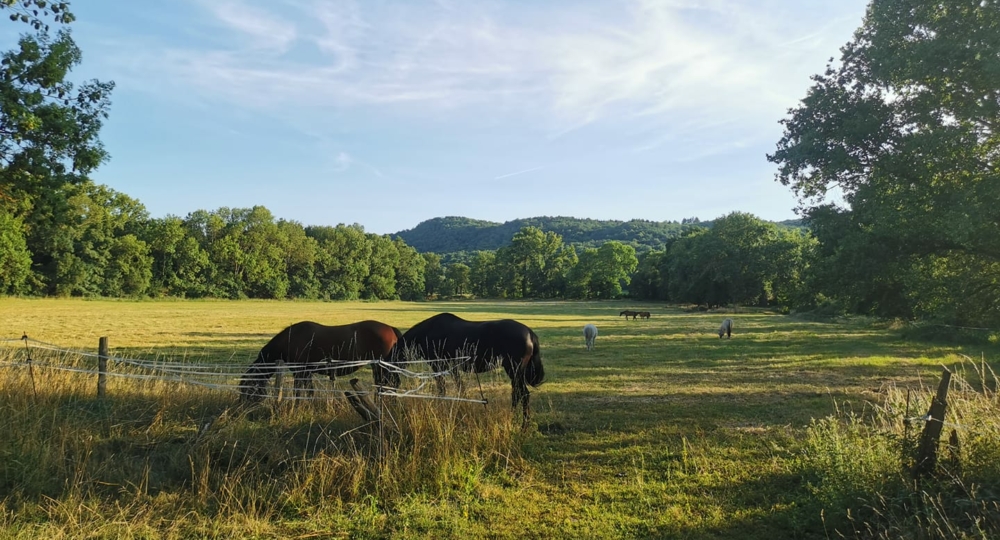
929,439
102,367
365,408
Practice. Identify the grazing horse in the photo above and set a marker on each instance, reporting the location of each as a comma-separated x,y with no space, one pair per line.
590,334
307,347
726,329
445,338
629,313
644,314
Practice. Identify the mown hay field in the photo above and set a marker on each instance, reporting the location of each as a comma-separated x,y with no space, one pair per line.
664,430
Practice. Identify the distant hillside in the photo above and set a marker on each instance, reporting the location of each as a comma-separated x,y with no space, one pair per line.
456,234
459,236
793,224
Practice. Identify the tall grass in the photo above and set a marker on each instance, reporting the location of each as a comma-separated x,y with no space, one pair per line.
156,452
859,464
663,431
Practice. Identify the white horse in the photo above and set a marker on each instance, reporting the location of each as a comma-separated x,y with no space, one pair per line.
590,334
726,329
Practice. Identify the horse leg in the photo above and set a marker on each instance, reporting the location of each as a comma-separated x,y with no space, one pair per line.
518,391
520,394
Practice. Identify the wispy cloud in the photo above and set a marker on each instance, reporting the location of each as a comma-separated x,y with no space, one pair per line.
518,172
708,62
260,29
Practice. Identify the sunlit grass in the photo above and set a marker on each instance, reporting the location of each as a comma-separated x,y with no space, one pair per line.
663,430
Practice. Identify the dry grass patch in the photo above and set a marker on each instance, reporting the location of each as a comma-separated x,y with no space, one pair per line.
663,431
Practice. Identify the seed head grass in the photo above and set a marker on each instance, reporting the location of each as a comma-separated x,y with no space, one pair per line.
793,428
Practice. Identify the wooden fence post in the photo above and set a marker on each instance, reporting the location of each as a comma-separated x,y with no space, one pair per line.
364,407
929,439
279,380
102,367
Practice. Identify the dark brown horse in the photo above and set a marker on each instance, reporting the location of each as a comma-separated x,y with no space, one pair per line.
307,347
643,314
446,338
629,313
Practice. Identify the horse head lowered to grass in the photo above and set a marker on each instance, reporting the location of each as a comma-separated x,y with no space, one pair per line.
308,347
446,339
589,336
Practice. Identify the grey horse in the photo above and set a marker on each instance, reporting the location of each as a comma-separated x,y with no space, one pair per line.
590,334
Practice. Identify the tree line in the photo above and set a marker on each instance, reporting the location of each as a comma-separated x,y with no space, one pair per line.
104,243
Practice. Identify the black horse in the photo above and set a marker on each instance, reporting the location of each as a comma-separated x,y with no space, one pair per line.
446,338
307,347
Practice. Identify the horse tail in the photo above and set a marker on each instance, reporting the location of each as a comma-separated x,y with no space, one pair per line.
253,381
534,373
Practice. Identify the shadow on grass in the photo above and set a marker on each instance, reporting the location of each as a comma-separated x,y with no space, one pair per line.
229,336
121,445
711,423
539,308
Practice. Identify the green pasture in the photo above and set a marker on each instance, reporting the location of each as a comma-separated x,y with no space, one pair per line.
663,431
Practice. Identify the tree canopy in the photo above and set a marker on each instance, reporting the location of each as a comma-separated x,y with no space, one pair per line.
905,128
48,135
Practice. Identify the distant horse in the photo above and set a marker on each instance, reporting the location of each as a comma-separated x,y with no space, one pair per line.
590,334
644,314
307,347
445,338
629,313
726,329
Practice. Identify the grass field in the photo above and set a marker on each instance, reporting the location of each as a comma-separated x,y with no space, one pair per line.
663,431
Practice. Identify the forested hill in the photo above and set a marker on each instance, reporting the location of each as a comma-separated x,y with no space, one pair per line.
454,234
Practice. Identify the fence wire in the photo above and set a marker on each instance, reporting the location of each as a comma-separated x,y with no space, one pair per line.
225,376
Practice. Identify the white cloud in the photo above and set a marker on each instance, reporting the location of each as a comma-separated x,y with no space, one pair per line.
260,29
708,63
515,173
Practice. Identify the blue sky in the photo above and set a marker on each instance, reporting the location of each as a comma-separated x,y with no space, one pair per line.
389,113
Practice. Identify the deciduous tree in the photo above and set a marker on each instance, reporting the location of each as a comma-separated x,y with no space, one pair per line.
48,126
906,128
458,278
